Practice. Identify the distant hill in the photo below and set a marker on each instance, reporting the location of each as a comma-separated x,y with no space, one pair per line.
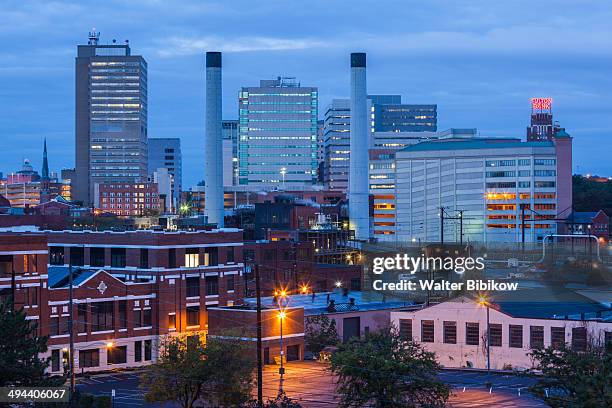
592,194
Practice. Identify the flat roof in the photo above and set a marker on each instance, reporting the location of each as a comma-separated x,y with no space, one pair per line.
476,143
364,301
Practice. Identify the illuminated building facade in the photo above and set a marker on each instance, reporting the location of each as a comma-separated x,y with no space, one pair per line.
111,117
542,125
278,134
488,182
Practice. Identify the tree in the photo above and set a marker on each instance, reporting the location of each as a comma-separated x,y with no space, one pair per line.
320,332
382,370
281,401
178,375
229,364
573,378
220,373
20,348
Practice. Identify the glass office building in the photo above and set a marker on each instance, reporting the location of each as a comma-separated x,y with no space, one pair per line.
277,145
111,116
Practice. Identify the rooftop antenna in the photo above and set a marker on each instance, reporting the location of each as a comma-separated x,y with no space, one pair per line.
94,36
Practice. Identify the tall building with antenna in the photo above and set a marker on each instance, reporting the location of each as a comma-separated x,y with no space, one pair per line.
542,126
111,116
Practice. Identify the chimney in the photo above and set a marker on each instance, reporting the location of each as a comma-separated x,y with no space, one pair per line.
358,192
213,155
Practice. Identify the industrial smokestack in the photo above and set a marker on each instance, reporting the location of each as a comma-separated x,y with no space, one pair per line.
359,214
213,154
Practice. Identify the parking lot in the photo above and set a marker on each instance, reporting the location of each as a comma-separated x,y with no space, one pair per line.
313,385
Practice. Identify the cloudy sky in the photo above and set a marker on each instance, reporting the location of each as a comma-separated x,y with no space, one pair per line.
480,61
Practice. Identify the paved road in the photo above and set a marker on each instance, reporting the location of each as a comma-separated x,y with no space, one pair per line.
313,386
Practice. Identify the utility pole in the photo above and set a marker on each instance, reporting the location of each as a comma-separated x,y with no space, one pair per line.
523,227
259,345
441,226
71,332
13,287
461,227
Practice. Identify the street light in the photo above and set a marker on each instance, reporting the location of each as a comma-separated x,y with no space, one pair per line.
338,284
281,316
482,301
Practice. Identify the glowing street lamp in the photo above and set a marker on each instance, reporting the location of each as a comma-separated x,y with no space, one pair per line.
338,284
483,301
283,172
281,316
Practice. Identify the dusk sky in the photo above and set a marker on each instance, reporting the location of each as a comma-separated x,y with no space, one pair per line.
480,61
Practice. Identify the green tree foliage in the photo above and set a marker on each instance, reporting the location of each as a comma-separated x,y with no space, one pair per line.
319,333
591,195
178,375
229,364
20,349
574,379
188,373
281,401
382,370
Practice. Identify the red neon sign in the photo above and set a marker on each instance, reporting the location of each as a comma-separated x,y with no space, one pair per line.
541,103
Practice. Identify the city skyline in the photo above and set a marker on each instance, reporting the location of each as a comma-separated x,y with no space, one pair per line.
480,69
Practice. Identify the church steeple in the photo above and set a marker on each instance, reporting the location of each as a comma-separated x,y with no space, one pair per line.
45,165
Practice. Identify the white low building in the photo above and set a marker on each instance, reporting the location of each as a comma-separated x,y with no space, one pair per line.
456,330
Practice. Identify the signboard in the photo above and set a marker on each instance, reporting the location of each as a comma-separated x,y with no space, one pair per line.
541,103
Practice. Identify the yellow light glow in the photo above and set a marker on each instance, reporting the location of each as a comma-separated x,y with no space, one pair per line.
338,284
282,315
109,344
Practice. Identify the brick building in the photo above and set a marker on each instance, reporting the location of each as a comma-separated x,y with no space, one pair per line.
129,288
243,320
127,199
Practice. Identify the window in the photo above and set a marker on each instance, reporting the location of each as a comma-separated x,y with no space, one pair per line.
147,317
172,321
524,162
193,315
472,334
192,258
123,314
405,329
77,256
172,258
230,255
579,338
427,331
147,350
544,162
500,163
56,255
212,285
118,259
356,284
449,332
608,339
54,326
211,257
89,358
144,258
138,351
31,295
544,184
102,316
82,318
544,173
536,337
230,282
193,286
515,333
496,335
557,337
116,355
96,256
55,360
137,318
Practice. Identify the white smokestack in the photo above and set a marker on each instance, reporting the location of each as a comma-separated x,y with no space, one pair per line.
359,214
213,156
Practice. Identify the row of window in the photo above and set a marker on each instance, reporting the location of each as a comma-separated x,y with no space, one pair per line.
118,257
514,334
115,355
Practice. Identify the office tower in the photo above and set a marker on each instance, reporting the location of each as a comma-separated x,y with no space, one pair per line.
336,136
358,195
542,125
229,129
277,145
213,144
166,153
386,115
500,187
111,116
